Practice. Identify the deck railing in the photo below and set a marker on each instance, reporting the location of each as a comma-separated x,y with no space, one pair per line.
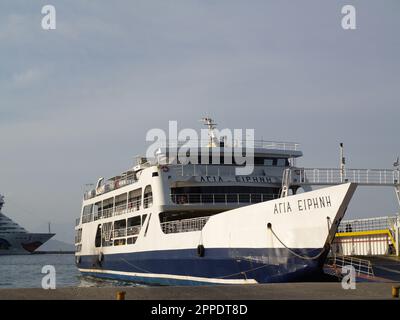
111,185
147,202
368,224
114,211
184,225
119,233
235,143
328,176
134,230
221,198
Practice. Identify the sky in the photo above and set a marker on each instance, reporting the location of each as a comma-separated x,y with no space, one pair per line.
76,102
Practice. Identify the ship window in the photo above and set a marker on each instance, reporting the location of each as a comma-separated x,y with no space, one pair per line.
134,200
135,221
108,203
97,241
148,197
87,209
144,218
120,203
223,194
154,174
134,226
282,162
268,162
106,234
119,242
97,207
119,224
131,240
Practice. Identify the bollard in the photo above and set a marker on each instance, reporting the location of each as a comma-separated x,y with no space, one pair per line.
121,295
395,292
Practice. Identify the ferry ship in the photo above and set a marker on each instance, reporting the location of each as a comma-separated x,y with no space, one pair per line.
170,223
14,239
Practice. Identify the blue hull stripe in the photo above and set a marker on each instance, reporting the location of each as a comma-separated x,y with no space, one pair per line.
170,267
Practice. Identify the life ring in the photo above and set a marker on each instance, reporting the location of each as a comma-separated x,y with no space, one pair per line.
200,250
164,168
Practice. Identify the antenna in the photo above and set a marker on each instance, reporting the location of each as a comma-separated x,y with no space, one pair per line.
211,125
342,162
49,228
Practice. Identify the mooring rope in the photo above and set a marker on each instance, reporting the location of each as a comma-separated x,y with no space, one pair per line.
293,252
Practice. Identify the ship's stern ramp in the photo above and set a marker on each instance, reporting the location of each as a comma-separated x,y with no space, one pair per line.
283,238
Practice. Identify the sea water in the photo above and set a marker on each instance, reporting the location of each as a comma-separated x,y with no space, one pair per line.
25,271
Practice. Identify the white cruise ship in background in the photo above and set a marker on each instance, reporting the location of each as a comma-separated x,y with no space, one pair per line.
14,239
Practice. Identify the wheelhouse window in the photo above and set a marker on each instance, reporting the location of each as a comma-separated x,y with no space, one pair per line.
279,162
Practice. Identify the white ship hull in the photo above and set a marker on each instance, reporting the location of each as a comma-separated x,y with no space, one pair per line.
285,239
22,243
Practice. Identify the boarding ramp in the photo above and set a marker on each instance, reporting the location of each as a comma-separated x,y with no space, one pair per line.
336,264
369,236
332,176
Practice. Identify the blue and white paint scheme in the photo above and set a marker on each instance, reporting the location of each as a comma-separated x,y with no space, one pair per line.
202,224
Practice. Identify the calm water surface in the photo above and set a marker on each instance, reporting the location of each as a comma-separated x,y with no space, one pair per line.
24,271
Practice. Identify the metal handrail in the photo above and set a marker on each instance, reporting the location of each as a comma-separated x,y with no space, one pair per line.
121,209
236,143
326,176
134,205
118,233
221,198
115,211
110,185
184,225
147,202
367,224
133,230
361,266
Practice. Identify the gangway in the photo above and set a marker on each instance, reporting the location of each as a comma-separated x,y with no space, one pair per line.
331,176
294,178
362,267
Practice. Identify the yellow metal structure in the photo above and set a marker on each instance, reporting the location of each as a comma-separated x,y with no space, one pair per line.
368,233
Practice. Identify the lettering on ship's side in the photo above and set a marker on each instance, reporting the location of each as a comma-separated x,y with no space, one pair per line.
303,204
246,179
